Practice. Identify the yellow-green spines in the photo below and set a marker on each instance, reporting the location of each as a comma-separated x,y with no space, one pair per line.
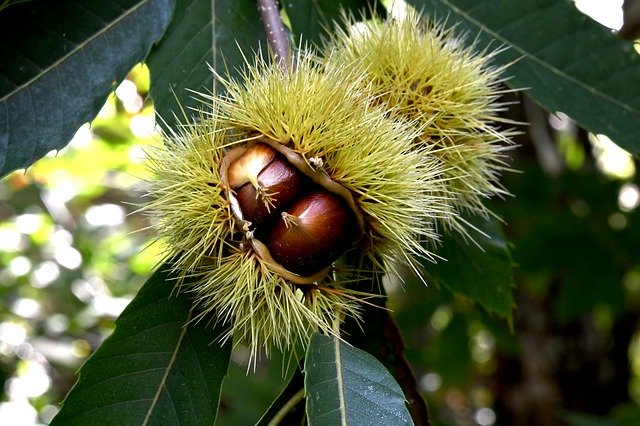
206,243
320,114
422,73
396,189
191,213
262,308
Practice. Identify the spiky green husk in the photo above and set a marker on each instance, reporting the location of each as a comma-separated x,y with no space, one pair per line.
423,73
320,114
396,187
191,213
263,308
206,244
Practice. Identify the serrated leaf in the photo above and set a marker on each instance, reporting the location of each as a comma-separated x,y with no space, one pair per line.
567,61
58,62
482,272
311,18
156,368
347,386
202,33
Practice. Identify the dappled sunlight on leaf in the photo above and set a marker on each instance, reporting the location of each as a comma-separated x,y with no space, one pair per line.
69,259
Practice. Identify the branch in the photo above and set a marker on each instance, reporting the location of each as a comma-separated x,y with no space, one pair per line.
276,35
631,26
383,340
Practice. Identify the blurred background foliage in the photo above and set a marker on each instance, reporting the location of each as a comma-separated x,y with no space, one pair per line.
73,253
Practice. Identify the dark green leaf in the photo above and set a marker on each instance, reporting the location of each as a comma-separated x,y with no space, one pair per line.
345,385
156,367
311,18
568,62
482,273
58,62
290,403
575,255
202,33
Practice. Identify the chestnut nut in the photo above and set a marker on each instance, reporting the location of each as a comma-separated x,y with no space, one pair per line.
263,182
312,233
304,226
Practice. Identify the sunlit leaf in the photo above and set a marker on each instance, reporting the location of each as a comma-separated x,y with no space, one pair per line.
203,33
567,61
58,62
156,367
345,385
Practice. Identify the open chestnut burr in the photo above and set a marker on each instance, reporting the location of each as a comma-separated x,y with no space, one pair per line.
296,218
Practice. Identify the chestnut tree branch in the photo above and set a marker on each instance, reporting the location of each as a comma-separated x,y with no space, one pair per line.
276,36
631,26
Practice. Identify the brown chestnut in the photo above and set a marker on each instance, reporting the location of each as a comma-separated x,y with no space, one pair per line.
314,231
266,191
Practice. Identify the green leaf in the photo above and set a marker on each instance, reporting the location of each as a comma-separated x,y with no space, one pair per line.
574,255
568,62
289,404
345,385
482,272
59,61
203,33
311,18
158,367
381,338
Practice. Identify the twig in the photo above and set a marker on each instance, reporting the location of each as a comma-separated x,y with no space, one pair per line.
276,35
280,415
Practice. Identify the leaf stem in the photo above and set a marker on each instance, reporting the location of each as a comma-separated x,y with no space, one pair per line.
288,406
274,28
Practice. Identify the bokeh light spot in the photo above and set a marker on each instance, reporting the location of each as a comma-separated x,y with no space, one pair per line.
629,197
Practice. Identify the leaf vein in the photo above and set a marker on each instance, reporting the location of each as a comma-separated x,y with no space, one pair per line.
540,61
164,378
73,51
343,409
